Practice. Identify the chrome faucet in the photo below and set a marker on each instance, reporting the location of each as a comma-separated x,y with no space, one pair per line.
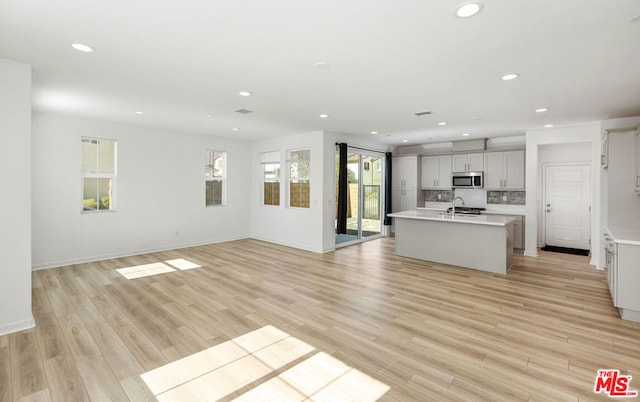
453,209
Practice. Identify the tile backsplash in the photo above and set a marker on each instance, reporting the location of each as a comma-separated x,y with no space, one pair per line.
512,197
432,195
492,197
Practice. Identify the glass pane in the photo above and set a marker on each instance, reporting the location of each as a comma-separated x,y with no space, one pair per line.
299,194
303,154
97,194
98,156
214,166
371,195
271,193
89,155
106,156
299,170
271,171
213,192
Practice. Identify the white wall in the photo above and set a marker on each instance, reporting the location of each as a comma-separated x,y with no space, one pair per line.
571,135
295,227
160,199
15,202
579,153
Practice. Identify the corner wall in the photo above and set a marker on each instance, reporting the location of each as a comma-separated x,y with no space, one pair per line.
160,199
295,227
15,204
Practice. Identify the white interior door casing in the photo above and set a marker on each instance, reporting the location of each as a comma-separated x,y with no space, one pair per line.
567,206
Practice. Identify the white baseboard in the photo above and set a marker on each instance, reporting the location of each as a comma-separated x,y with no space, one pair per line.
17,326
82,260
530,253
292,245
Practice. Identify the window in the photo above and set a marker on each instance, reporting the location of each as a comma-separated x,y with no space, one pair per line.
299,178
270,167
98,174
215,173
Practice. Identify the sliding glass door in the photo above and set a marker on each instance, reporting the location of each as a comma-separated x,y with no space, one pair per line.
363,196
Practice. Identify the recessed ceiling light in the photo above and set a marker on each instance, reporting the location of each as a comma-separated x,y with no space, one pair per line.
405,140
466,134
467,10
374,132
209,115
442,123
322,65
139,112
541,110
324,116
548,125
635,18
82,47
477,118
509,77
244,93
235,129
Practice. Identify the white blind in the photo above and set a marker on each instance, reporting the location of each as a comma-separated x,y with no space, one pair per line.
270,157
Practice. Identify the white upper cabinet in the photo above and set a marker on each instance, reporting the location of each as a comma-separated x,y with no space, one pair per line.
436,172
637,175
404,172
504,170
467,162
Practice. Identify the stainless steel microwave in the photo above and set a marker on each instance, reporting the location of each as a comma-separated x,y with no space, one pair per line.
467,179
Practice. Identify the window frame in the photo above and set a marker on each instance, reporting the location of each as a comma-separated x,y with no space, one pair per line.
88,175
290,161
270,158
223,179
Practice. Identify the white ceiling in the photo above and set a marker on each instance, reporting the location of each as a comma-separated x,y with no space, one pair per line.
179,61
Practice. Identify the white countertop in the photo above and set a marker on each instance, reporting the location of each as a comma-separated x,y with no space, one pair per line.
431,215
490,208
625,235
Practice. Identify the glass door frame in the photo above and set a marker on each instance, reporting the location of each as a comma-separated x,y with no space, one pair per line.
361,155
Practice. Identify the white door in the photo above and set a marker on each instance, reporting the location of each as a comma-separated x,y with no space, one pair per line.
567,205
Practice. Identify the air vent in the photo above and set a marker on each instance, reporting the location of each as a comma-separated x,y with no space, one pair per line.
243,111
419,114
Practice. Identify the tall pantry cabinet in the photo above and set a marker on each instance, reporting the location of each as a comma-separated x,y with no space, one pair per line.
405,181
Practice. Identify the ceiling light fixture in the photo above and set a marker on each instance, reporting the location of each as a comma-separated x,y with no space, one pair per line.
139,112
635,18
209,115
442,123
235,129
509,77
244,93
548,125
322,65
82,47
405,140
541,110
374,132
467,10
324,116
466,134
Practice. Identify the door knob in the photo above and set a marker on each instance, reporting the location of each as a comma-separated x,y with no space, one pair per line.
548,209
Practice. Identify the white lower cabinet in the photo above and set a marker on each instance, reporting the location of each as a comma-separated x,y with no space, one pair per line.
623,277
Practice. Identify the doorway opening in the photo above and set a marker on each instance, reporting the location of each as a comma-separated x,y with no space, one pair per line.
364,197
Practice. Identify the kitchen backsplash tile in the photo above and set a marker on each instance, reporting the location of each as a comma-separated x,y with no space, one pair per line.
432,195
512,197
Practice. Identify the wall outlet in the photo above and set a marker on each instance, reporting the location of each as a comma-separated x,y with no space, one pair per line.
504,197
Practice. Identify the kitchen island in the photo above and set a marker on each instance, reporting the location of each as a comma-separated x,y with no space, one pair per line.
483,242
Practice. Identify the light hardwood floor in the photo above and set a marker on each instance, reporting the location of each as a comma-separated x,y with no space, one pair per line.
426,331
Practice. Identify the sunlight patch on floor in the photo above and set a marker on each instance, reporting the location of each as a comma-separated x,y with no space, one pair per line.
141,271
219,371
